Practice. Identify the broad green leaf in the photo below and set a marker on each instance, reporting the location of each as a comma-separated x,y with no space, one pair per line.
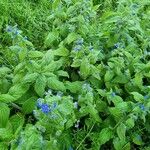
94,113
137,139
4,114
5,134
137,96
29,105
108,76
48,57
35,54
55,4
105,135
6,98
85,68
62,73
52,36
22,54
55,84
130,123
121,79
62,51
118,144
16,121
138,80
3,146
40,85
74,87
116,113
18,90
71,37
29,78
121,131
4,71
126,146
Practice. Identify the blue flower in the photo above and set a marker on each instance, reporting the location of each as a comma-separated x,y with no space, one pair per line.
39,102
70,148
8,29
113,94
146,97
116,45
77,48
54,105
91,48
79,42
75,105
59,94
142,107
45,108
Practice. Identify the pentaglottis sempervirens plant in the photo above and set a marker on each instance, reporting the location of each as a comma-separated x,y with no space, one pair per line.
88,88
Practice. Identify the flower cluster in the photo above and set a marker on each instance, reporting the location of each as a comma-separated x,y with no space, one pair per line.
45,108
78,44
13,30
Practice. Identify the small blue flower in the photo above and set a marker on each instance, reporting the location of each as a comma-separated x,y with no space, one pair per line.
139,137
77,48
113,94
142,107
116,45
25,38
39,102
54,105
77,124
45,108
79,42
75,105
91,48
146,97
70,148
16,32
59,94
8,29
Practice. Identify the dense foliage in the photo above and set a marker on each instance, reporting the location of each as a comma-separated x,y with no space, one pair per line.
75,75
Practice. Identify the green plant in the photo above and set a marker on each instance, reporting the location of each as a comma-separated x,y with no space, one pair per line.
89,86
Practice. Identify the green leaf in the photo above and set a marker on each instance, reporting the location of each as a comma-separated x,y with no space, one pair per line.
6,98
94,113
5,134
55,84
16,121
62,51
40,85
52,36
137,96
105,135
55,4
3,146
62,73
121,79
18,90
29,105
4,115
35,54
118,144
73,87
30,78
108,76
137,139
71,37
127,147
130,123
121,131
117,113
85,68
